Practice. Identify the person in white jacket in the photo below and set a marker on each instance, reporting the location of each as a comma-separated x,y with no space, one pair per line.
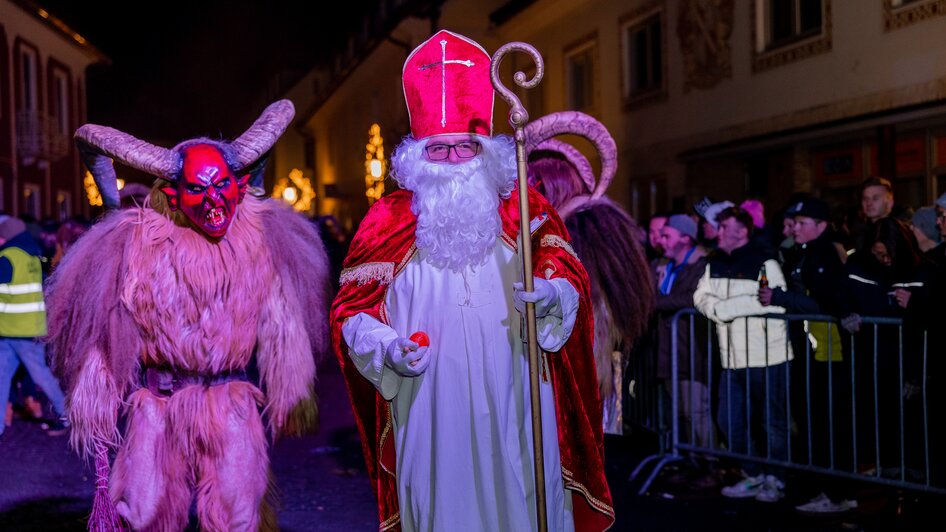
755,352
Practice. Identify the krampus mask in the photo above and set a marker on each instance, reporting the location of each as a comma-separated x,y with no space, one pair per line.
206,179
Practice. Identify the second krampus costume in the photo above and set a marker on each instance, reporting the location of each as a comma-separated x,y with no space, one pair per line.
604,237
157,312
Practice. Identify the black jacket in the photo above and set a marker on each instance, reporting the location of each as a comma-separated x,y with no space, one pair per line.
814,273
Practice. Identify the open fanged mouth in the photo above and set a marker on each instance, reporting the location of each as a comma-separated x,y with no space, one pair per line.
215,217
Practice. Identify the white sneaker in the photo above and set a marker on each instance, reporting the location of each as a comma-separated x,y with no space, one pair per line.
748,487
822,505
772,490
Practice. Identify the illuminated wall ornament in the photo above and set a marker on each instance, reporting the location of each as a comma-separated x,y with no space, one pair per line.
375,165
296,190
92,191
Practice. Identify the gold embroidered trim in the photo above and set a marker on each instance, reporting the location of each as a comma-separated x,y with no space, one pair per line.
384,435
383,312
407,258
509,241
392,521
599,505
556,241
382,272
389,523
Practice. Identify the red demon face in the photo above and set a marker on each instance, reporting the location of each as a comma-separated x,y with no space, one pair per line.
207,192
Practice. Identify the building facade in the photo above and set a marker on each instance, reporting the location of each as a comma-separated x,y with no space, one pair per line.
731,99
42,102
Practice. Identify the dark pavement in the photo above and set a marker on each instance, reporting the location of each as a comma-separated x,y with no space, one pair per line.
324,487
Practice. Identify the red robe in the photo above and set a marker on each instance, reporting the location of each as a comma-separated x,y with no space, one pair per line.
382,247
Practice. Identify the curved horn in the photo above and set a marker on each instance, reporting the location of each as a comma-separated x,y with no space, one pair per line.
574,157
263,134
98,145
583,125
102,172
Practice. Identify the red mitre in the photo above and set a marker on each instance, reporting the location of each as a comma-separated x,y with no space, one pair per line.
447,87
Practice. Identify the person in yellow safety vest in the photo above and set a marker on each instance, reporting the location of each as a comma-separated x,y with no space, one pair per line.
23,318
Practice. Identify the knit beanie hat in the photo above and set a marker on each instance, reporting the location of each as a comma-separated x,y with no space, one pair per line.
10,227
755,209
924,219
684,224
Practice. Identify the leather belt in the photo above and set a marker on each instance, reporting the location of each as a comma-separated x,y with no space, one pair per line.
164,381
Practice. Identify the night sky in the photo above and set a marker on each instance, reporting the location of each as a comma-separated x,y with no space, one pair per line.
183,69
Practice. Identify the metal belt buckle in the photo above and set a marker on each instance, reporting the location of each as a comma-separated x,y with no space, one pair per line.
161,381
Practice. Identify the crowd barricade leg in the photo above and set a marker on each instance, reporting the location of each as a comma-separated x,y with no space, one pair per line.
857,409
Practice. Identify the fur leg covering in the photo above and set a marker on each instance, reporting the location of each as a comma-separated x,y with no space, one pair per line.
211,438
233,472
149,478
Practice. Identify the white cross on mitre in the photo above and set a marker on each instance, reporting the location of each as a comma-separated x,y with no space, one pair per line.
443,77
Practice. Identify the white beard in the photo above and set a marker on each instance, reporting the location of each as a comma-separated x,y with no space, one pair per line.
457,205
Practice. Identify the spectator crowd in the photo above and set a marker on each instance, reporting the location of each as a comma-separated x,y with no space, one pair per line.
789,389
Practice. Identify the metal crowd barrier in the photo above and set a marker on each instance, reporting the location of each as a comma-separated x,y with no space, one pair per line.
875,426
642,400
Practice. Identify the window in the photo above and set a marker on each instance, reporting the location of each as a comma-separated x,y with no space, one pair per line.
580,73
28,83
3,202
648,195
642,45
790,20
643,34
61,101
31,200
900,13
63,205
789,30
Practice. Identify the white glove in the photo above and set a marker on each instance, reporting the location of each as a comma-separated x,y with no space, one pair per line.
544,295
405,357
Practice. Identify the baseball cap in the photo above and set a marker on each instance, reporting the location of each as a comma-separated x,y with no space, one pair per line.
684,224
713,210
812,208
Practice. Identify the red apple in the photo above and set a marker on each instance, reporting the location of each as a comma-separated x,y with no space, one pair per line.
420,338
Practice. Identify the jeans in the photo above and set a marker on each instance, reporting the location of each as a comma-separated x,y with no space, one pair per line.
695,410
753,401
32,354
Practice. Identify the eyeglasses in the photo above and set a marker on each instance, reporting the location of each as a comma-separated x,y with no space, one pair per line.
464,150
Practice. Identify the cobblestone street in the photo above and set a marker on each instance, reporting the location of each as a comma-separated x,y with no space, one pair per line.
324,487
321,478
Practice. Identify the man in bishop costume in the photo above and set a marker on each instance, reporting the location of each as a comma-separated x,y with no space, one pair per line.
446,429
